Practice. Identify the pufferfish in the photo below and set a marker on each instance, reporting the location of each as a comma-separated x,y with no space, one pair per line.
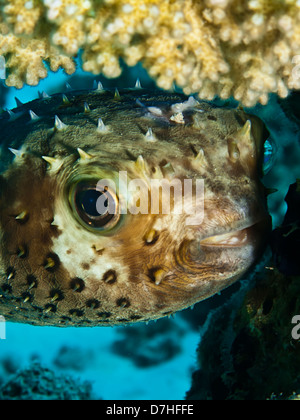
67,260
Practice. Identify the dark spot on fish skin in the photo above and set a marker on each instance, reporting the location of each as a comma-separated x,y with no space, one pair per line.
27,297
22,251
93,304
32,281
85,266
52,262
65,319
22,220
50,308
37,309
77,285
135,317
194,150
55,231
10,273
153,240
110,277
212,118
76,312
151,273
104,315
6,288
164,162
69,251
56,295
123,303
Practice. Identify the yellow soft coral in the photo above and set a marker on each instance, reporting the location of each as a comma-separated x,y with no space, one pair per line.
240,48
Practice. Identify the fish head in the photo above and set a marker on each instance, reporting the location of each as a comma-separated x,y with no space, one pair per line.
131,219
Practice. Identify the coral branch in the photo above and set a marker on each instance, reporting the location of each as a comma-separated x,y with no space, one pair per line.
239,48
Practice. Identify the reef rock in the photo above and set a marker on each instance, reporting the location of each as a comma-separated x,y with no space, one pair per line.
39,383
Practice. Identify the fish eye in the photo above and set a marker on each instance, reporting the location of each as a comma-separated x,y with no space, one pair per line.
270,152
97,209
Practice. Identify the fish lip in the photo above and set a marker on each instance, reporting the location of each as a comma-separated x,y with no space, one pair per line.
238,237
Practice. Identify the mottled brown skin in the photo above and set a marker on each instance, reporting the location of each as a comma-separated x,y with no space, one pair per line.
55,271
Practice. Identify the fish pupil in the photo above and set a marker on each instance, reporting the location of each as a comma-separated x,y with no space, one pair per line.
88,202
96,208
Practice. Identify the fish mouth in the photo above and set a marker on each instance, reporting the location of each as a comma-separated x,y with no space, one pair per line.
237,238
